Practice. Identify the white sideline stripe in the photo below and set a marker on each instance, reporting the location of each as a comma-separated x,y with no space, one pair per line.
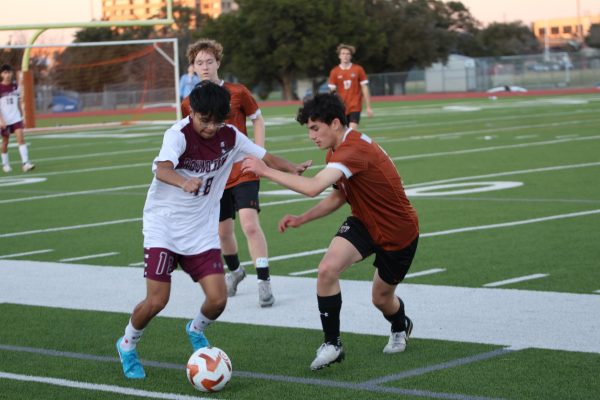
29,253
425,272
112,253
308,271
67,194
408,276
597,291
507,173
137,264
287,256
513,223
481,313
515,280
68,228
99,387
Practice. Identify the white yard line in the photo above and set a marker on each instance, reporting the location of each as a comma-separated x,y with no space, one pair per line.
425,272
99,387
300,273
516,280
597,291
89,257
478,315
29,253
68,228
68,194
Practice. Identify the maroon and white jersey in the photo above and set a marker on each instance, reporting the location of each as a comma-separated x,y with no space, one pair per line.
182,222
9,104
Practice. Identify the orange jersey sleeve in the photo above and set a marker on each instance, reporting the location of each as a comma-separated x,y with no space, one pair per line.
374,190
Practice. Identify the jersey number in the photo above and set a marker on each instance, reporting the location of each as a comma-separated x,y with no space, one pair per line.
208,186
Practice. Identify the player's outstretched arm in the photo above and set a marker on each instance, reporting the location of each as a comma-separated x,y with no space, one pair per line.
282,164
165,172
329,204
307,186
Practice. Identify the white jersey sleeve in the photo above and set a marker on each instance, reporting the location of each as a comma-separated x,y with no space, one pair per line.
247,148
173,146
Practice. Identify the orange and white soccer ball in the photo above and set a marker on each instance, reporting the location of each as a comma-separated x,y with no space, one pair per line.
209,369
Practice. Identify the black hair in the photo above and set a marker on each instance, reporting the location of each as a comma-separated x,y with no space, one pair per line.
6,67
210,100
324,107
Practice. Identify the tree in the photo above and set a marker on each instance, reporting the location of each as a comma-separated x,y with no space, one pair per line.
508,39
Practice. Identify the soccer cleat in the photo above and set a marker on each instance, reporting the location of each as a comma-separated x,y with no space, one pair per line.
265,294
132,367
397,342
197,339
28,166
6,168
327,354
232,279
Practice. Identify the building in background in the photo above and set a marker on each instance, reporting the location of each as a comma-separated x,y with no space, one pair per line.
560,31
124,10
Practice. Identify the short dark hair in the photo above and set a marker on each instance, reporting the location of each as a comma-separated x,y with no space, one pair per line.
324,107
210,100
6,67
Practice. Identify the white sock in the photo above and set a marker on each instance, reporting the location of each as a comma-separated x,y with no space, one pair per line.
200,323
261,263
24,153
131,337
5,159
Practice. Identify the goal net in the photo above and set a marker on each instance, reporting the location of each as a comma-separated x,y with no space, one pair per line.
86,83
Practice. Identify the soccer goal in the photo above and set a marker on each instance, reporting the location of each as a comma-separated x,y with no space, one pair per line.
101,82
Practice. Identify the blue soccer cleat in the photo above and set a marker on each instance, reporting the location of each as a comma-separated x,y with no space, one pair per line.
132,367
198,340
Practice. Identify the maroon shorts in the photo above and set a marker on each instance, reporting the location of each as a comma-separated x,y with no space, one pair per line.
160,263
11,128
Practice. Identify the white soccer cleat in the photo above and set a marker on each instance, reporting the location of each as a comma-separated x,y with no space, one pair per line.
6,168
232,279
265,294
397,341
28,166
327,354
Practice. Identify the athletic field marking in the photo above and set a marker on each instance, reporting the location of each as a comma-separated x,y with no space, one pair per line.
425,272
450,364
112,253
369,386
72,227
95,169
139,264
287,256
521,137
103,154
408,276
99,387
29,253
67,194
515,280
596,291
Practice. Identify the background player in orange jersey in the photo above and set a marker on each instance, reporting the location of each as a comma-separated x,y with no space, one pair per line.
350,82
383,221
241,192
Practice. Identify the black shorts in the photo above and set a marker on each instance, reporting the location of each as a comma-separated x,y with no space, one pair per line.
391,266
244,195
353,117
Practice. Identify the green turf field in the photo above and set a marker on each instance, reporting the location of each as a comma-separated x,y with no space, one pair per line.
508,195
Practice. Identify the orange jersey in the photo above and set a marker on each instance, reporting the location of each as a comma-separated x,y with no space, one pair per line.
374,190
243,105
347,84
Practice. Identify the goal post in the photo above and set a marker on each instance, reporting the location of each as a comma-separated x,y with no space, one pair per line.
114,81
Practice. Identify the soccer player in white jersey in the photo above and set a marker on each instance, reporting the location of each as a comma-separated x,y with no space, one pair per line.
11,119
181,215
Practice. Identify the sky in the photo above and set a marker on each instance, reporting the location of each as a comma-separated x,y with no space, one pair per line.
20,12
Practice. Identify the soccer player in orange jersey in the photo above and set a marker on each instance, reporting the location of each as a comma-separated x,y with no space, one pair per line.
383,222
241,192
350,82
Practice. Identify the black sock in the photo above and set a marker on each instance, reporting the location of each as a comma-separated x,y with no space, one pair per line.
263,274
232,261
398,319
330,307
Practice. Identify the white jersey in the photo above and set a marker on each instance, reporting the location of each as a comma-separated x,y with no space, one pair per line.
185,223
9,104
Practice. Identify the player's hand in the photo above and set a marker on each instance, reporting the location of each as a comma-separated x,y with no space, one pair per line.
369,112
255,165
292,221
300,168
192,185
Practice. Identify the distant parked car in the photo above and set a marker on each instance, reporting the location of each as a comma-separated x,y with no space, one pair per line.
65,103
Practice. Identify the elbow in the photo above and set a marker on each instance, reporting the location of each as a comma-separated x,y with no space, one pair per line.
312,193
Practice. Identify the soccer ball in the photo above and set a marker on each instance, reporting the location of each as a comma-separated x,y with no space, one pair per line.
209,369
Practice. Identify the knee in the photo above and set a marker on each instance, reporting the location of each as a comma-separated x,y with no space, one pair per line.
251,229
157,303
327,272
217,304
379,301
